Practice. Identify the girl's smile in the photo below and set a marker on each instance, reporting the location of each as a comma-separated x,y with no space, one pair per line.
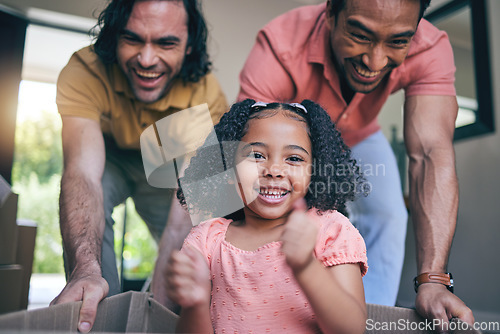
278,145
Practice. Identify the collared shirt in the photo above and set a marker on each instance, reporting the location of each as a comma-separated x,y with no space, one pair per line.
88,88
292,61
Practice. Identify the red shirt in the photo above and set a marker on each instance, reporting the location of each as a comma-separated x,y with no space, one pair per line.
291,61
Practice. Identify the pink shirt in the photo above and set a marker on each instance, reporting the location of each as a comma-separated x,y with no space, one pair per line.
255,291
291,61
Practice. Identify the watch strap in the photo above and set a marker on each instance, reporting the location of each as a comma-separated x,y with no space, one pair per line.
441,278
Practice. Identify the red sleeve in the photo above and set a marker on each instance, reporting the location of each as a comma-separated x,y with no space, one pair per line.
431,70
264,78
339,242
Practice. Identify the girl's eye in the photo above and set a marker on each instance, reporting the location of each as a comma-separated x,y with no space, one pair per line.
295,159
255,155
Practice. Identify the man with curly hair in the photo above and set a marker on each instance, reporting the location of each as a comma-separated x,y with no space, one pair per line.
349,56
148,62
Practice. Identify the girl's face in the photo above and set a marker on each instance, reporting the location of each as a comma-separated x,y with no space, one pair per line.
274,165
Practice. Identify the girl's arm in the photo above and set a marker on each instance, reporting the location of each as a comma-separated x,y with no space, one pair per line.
336,296
188,284
335,293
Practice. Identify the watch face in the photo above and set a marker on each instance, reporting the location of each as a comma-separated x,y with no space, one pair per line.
451,285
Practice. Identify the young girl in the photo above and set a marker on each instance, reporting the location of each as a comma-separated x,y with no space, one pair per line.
290,263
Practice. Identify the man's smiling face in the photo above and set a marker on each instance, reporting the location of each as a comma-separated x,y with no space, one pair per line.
370,38
152,46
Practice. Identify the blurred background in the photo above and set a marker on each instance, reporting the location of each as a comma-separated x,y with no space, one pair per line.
57,28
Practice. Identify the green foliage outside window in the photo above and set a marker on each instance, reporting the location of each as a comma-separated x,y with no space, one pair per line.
36,178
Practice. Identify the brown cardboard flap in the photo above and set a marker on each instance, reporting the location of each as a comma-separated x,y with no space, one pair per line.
130,312
134,312
55,318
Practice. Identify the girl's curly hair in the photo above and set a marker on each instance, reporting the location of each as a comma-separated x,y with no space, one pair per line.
335,179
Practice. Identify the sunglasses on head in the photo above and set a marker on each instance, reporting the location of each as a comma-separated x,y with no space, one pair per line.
261,105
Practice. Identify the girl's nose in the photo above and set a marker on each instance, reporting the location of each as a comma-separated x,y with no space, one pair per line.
274,170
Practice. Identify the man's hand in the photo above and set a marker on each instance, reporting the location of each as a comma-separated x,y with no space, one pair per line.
299,238
188,279
90,289
434,301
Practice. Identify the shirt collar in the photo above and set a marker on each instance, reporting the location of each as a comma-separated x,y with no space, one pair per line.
318,47
319,50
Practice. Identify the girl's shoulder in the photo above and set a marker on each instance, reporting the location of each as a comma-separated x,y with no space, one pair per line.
327,219
211,229
338,240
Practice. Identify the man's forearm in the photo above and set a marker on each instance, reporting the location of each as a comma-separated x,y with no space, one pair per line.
178,227
82,222
434,205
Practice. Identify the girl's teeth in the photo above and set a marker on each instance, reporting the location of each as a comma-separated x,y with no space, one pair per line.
272,193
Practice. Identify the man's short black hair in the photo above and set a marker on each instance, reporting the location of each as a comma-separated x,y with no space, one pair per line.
115,16
336,7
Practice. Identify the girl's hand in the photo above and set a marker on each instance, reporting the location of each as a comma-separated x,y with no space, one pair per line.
299,238
188,278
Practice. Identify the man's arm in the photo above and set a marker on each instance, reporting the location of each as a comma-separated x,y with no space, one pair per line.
178,227
82,216
429,124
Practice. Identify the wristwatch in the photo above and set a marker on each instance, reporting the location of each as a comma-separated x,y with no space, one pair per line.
446,279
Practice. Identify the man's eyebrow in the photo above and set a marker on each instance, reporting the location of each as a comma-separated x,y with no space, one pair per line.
167,39
359,25
130,33
164,39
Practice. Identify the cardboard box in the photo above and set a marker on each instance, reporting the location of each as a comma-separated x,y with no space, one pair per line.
8,227
136,312
130,312
10,287
24,255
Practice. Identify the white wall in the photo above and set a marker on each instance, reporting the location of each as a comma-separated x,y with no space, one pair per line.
475,255
233,27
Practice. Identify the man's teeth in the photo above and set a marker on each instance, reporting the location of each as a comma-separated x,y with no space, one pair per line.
149,75
273,193
365,73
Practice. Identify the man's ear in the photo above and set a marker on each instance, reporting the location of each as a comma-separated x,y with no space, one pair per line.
189,49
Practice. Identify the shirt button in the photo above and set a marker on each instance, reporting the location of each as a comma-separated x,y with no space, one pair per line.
344,116
144,125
